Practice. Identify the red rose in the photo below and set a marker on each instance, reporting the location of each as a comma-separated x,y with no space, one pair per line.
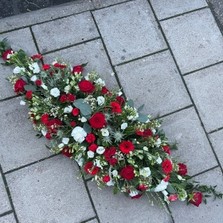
120,100
73,123
38,82
167,166
78,69
166,149
19,86
116,107
126,147
75,112
46,67
86,86
63,98
93,147
29,95
97,120
127,172
109,155
6,54
173,197
90,168
37,57
104,90
66,152
48,136
45,119
71,97
106,179
196,199
90,138
182,169
142,187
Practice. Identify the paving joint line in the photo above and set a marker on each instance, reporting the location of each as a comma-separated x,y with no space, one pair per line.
6,213
9,98
9,194
205,171
109,59
184,13
72,45
182,78
215,130
139,58
34,39
30,164
85,221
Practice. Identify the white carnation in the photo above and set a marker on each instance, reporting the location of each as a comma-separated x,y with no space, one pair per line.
159,160
33,78
90,154
35,68
55,92
100,150
78,134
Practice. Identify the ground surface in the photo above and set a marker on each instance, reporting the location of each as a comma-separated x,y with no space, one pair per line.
166,54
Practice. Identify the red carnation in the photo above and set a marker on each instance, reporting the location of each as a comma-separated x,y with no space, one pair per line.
29,95
106,179
116,107
90,138
37,57
127,172
6,54
46,67
66,152
182,169
196,199
71,97
45,119
86,86
167,166
166,149
19,86
90,168
38,82
97,120
120,100
63,98
78,69
93,147
126,146
75,112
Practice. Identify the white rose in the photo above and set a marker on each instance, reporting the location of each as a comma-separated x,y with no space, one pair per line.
100,150
145,172
65,141
18,70
100,100
105,132
124,125
78,134
90,154
68,109
161,186
55,92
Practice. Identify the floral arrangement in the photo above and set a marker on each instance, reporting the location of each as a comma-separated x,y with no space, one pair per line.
104,133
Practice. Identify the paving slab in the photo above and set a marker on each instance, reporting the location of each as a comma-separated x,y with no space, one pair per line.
121,209
18,39
132,31
217,142
92,221
206,90
78,28
104,3
168,8
184,127
92,53
7,219
4,201
49,191
195,40
46,14
155,82
212,212
19,144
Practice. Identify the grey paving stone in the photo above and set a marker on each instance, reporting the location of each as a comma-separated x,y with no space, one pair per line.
65,32
104,3
93,221
92,53
46,14
168,8
7,219
193,147
212,212
132,31
121,209
205,87
155,82
18,39
49,191
4,201
19,144
195,40
217,142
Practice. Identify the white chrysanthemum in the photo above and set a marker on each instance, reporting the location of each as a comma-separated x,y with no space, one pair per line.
78,134
100,100
35,68
68,109
18,70
22,102
124,125
33,78
90,154
105,132
55,92
161,186
145,172
65,141
100,150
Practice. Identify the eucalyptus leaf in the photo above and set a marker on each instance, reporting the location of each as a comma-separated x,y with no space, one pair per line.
142,118
170,189
140,108
87,128
30,88
130,103
84,107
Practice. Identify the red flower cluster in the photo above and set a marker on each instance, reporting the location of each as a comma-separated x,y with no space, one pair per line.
97,120
167,166
196,199
86,86
90,168
182,169
6,54
67,98
144,133
126,146
127,172
77,69
109,155
19,86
